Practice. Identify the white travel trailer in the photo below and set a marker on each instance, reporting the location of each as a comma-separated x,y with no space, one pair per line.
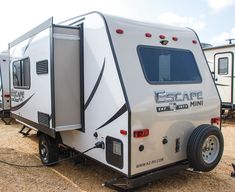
141,94
221,62
4,87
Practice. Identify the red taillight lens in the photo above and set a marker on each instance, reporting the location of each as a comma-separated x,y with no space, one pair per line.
174,38
215,120
162,36
119,31
7,95
148,35
141,133
123,132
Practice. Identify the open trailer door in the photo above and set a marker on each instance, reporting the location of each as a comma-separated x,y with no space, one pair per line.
67,78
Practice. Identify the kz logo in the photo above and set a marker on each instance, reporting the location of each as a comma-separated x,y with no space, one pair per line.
172,106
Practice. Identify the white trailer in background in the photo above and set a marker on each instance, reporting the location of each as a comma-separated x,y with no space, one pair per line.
221,62
141,93
4,87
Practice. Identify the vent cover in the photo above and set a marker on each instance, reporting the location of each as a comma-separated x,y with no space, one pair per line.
44,119
42,67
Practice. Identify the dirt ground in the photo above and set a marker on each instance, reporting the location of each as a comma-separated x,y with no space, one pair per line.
69,177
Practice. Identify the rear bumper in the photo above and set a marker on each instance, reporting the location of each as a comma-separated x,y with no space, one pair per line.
124,183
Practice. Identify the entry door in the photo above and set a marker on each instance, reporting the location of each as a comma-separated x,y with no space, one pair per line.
223,76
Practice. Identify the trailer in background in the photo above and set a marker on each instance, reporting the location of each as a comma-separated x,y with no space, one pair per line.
4,87
136,97
221,62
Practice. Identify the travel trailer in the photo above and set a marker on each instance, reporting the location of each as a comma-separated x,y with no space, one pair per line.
4,87
221,62
136,97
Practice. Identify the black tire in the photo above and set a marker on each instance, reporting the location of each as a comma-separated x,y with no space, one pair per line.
205,148
222,111
48,150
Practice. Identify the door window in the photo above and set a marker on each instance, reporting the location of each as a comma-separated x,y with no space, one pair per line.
223,66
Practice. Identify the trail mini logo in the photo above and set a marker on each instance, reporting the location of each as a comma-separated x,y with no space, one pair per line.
173,101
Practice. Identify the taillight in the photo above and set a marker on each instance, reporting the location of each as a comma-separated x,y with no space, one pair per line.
162,36
148,35
119,31
7,95
215,121
141,133
194,41
174,38
123,132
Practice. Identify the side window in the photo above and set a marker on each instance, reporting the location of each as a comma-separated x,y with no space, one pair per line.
223,66
21,74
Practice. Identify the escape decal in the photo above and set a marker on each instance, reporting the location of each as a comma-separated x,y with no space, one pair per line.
169,101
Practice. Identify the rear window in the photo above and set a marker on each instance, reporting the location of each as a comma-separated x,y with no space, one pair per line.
168,66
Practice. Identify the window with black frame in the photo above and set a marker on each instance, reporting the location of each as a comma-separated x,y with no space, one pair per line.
223,66
21,73
168,65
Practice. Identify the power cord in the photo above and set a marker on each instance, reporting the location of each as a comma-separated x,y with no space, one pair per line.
99,144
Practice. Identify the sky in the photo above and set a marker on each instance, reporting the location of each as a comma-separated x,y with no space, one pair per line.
213,20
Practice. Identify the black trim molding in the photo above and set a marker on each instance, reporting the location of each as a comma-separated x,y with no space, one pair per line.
122,110
81,53
95,87
218,84
17,107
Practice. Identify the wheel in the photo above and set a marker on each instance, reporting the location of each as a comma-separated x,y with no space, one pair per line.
48,149
222,111
205,148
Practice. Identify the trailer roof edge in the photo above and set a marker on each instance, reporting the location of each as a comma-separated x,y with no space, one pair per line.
219,46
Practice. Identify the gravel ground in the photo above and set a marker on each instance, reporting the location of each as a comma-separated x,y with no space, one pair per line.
67,176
